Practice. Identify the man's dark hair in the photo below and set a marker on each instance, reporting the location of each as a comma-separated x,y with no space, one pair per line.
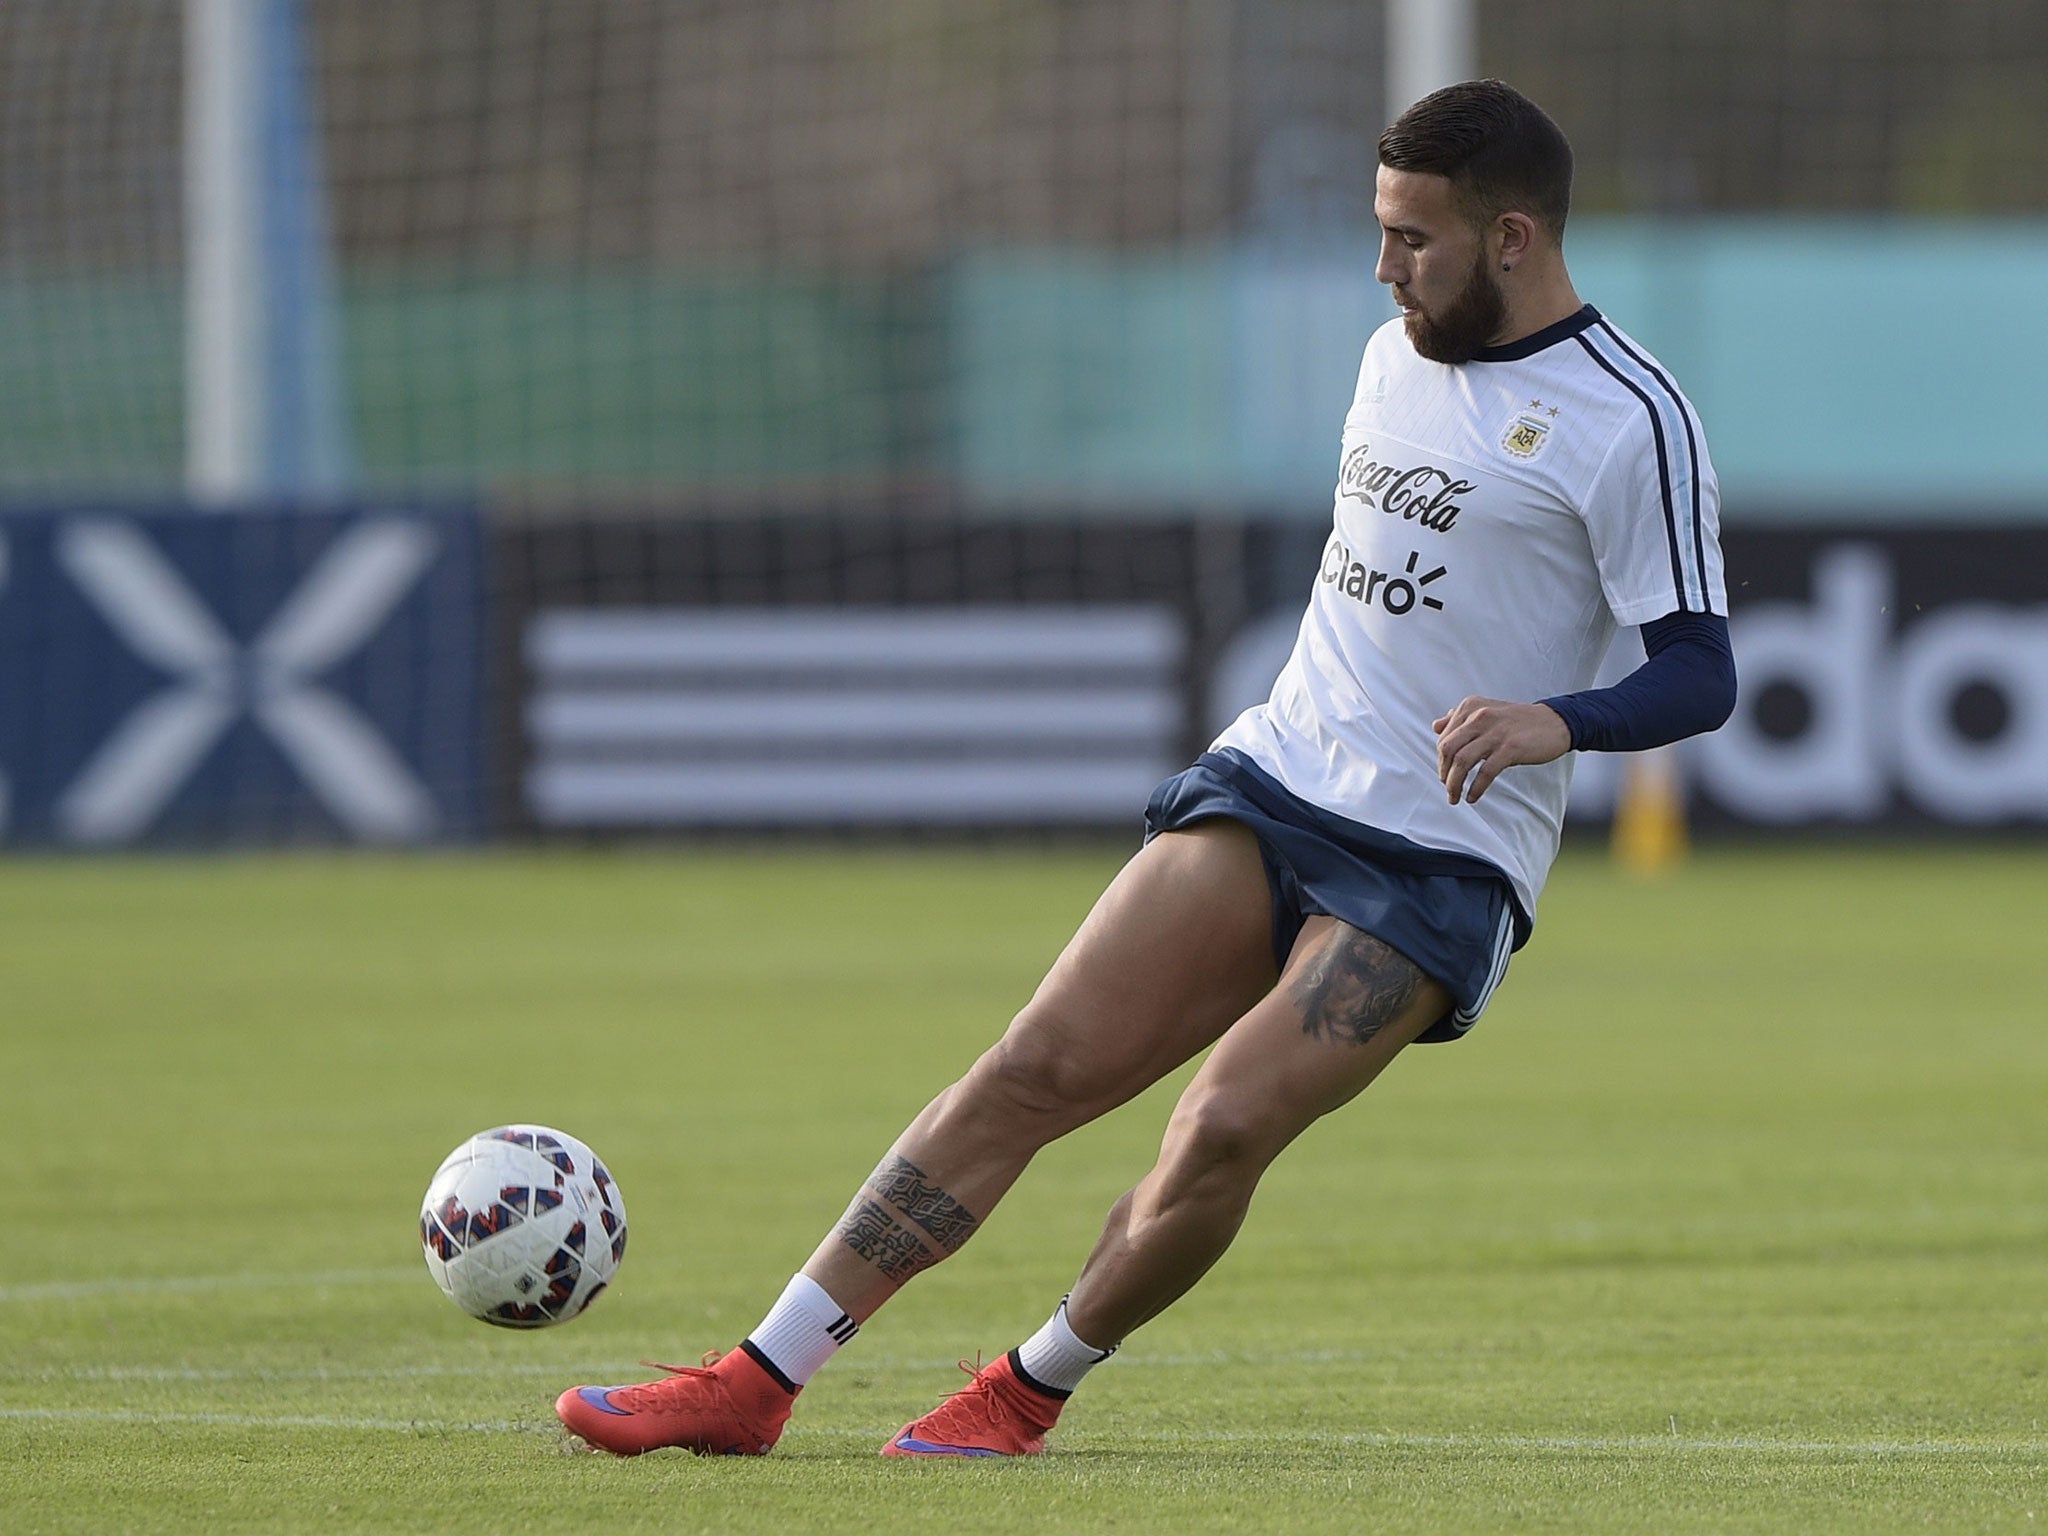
1496,147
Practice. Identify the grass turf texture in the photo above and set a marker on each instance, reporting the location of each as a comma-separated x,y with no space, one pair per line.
1729,1217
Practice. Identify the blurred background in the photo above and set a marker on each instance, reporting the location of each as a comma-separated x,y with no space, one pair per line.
422,423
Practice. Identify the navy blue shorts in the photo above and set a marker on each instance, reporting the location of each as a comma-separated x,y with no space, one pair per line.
1453,915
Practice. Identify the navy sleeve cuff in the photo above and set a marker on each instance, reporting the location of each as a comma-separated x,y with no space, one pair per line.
1685,687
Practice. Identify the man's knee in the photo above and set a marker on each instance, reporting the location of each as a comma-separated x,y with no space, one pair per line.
1218,1135
1035,1073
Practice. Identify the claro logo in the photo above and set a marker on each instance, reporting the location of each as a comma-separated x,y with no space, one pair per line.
1395,592
1877,712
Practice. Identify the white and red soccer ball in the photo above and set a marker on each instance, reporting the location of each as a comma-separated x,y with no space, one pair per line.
523,1226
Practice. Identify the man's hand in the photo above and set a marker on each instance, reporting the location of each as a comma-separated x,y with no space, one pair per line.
1480,737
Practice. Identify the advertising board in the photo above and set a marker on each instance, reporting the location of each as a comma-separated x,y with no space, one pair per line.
178,676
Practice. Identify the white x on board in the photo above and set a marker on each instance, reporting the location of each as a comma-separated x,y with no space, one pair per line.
150,755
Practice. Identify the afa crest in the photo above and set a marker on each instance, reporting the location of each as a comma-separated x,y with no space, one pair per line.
1524,437
1528,432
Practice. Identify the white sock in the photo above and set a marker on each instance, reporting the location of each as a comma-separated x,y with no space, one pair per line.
801,1332
1055,1359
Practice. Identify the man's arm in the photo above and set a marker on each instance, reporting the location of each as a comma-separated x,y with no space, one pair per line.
1686,686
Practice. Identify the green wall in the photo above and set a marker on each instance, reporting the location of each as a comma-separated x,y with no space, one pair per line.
1884,370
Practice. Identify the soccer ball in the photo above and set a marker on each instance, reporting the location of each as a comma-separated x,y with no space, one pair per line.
523,1226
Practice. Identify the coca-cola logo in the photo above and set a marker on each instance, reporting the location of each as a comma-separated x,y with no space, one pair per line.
1421,495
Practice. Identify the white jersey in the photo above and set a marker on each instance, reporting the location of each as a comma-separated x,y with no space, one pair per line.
1494,522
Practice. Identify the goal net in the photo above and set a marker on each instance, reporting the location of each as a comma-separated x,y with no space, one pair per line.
665,253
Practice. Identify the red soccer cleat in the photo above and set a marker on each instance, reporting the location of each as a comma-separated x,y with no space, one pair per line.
996,1414
735,1408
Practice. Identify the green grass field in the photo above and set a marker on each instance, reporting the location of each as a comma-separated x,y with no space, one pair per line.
1732,1216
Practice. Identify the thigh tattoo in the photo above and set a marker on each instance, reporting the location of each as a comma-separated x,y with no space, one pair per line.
1354,987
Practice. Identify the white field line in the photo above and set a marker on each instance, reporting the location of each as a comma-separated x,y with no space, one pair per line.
173,1285
1139,1440
178,1285
634,1370
271,1421
1641,1444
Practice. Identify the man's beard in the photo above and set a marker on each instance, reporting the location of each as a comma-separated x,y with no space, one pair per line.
1469,322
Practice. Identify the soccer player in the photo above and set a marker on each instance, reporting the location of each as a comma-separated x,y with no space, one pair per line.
1348,869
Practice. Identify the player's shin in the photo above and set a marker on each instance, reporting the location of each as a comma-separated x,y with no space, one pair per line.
1159,1239
917,1208
902,1221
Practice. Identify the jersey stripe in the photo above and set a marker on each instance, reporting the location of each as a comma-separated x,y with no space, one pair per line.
1684,504
1692,450
1463,1019
1663,465
1638,369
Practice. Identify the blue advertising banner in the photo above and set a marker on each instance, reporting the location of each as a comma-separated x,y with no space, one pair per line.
186,677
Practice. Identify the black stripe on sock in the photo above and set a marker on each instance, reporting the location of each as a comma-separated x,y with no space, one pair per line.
844,1329
1100,1354
1017,1365
753,1353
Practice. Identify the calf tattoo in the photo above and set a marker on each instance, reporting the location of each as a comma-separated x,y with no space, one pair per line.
1354,988
871,1229
904,1185
884,1241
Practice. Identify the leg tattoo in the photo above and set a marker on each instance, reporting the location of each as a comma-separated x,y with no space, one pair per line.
903,1184
898,1250
1354,988
884,1241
